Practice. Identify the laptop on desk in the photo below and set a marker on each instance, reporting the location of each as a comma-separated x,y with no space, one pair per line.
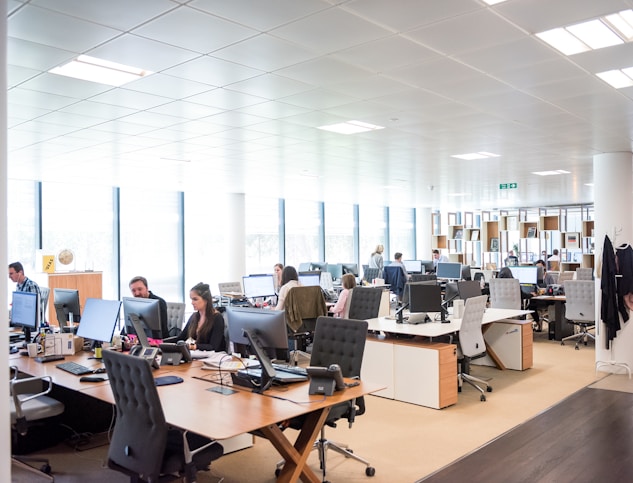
255,374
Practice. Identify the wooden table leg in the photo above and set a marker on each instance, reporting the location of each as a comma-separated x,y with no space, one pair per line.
296,456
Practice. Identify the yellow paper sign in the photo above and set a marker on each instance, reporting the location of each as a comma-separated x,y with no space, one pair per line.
48,263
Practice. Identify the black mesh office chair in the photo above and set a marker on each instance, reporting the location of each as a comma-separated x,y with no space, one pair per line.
143,445
364,303
342,342
394,276
369,274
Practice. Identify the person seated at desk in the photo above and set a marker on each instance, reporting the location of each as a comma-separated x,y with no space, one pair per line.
511,260
139,288
349,282
505,272
278,269
289,279
398,263
438,258
205,327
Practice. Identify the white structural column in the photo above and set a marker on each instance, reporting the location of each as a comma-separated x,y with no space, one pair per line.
613,206
235,241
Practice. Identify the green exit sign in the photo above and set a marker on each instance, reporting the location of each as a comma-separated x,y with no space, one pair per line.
508,186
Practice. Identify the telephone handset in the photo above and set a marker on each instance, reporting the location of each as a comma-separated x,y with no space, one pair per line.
147,353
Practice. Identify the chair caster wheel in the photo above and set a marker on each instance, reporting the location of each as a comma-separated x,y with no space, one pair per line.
482,398
46,469
577,348
562,343
370,471
489,389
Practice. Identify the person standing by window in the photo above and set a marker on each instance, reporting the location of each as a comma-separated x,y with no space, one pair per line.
376,260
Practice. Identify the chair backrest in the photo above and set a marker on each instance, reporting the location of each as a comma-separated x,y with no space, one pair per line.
140,433
394,276
175,317
371,273
304,303
551,278
230,287
584,273
339,341
479,276
44,294
566,275
505,293
580,304
471,339
364,303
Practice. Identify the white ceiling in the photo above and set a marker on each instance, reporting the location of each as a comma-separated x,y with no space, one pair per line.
240,87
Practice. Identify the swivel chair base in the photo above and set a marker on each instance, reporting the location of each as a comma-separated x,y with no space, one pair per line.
582,336
322,445
43,472
474,381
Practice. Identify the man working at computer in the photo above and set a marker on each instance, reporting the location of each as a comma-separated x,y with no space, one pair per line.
438,258
24,284
139,289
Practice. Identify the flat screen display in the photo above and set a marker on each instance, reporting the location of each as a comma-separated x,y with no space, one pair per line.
310,279
24,310
258,286
99,319
413,266
449,270
525,275
468,289
425,298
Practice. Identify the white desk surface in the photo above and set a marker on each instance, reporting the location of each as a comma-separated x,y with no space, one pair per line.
436,328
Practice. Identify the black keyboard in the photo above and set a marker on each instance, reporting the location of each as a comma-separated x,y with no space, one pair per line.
51,358
298,370
74,368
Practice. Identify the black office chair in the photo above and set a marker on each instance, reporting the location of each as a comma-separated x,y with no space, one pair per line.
30,405
369,274
395,278
143,445
303,305
364,303
342,342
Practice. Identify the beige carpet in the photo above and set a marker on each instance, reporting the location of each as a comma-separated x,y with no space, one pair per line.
403,442
615,382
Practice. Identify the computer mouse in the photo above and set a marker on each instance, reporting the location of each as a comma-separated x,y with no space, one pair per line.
101,370
92,379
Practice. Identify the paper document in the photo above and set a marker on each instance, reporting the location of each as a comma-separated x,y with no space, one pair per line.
226,362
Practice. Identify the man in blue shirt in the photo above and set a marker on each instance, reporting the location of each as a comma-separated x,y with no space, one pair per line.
24,284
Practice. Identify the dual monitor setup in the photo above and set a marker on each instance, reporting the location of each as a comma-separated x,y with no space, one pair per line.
337,270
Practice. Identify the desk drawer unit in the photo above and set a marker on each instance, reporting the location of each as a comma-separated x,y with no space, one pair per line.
512,342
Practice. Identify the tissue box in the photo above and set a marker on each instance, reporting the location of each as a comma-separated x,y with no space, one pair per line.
64,344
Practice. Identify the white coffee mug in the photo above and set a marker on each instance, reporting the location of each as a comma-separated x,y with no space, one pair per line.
32,349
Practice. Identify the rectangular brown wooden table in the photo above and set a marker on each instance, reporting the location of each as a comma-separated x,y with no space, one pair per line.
192,405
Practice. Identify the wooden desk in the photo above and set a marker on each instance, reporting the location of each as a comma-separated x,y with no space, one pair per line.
420,371
193,406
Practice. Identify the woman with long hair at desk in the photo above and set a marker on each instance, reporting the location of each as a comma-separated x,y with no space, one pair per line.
348,281
205,328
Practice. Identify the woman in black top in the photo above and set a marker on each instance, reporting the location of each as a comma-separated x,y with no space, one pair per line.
206,325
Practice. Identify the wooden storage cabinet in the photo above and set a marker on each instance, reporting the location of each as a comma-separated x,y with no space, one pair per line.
89,284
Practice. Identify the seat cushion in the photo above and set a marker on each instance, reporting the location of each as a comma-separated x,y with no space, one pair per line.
39,408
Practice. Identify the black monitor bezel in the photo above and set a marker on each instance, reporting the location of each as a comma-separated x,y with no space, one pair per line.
271,325
442,267
68,301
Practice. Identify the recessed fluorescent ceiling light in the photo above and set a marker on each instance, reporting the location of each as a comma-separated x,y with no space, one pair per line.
589,184
593,34
618,78
351,127
551,173
479,155
494,2
98,70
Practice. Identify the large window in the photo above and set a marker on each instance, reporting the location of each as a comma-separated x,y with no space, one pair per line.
303,229
262,234
151,240
339,233
372,231
402,232
79,217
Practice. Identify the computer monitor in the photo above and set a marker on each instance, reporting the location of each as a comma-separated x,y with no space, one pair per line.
424,297
468,289
24,313
350,268
67,308
336,270
525,275
99,319
258,286
406,293
147,311
427,266
413,266
268,372
310,279
449,270
318,266
270,326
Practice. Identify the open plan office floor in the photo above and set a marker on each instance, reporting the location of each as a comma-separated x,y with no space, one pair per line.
405,442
